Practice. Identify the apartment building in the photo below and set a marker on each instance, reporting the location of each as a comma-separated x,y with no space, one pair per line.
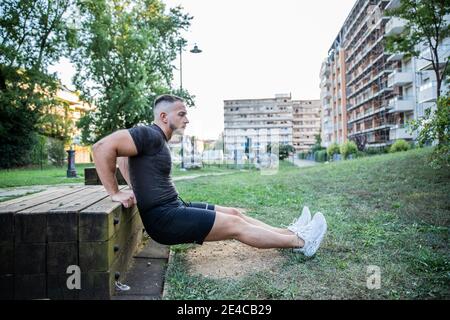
369,95
257,122
412,79
333,96
306,121
368,92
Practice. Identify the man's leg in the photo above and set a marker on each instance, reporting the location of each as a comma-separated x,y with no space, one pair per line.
228,226
236,212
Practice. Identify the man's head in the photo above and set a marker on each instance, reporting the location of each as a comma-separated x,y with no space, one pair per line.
170,112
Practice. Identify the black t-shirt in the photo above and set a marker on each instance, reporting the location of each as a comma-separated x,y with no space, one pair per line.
150,168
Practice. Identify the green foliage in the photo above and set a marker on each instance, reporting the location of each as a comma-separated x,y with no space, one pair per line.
302,155
32,37
405,232
39,153
425,20
56,152
433,125
285,150
320,156
56,124
318,144
399,145
333,149
426,27
348,148
123,55
377,150
360,154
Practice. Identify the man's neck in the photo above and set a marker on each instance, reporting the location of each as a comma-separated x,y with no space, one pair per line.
167,131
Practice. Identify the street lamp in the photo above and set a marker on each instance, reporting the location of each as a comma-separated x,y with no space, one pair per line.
181,43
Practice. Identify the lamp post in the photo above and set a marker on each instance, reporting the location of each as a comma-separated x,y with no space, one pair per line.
181,43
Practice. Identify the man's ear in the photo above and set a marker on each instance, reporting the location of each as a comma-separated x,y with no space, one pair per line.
163,117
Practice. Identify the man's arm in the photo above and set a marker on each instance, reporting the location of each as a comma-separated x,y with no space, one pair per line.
105,153
123,167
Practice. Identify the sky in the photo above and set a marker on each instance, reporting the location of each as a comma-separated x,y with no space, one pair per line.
251,49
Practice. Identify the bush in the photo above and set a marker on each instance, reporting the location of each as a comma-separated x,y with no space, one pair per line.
434,126
333,149
348,148
399,145
376,150
320,156
56,152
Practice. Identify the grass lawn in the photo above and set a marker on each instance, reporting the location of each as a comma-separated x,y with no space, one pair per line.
57,175
390,211
36,176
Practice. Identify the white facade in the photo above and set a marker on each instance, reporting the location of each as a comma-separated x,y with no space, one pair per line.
259,122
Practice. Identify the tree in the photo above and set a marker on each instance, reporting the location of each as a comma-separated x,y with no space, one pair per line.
427,25
430,126
318,144
285,150
361,141
33,36
123,54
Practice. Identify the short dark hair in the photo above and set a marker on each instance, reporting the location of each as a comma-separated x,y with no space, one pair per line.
167,98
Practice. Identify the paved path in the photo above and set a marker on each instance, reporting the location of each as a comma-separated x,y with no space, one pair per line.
146,276
303,163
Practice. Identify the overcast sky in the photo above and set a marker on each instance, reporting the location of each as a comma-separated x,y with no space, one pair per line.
251,49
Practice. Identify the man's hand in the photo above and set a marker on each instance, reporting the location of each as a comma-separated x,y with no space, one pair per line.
125,197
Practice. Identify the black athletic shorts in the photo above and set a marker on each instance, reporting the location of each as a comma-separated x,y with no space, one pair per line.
179,222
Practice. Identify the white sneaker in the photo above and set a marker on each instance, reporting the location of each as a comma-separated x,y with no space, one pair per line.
312,234
303,220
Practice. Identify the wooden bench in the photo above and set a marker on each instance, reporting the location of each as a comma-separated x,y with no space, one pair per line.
42,234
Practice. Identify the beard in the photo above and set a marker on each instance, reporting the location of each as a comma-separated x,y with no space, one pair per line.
175,130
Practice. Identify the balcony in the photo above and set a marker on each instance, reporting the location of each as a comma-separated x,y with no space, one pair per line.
427,92
399,132
401,104
395,57
395,26
325,82
325,94
325,70
400,78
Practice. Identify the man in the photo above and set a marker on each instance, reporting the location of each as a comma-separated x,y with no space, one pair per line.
143,150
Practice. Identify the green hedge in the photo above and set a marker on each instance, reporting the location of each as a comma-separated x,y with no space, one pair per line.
321,156
348,148
399,145
333,149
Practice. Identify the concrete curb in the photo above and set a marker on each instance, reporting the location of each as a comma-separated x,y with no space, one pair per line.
166,286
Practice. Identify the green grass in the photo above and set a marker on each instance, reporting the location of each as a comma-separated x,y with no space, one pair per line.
391,211
35,176
51,175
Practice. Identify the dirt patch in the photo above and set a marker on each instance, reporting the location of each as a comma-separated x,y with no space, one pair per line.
231,259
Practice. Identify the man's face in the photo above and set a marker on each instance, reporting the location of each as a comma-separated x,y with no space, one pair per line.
178,117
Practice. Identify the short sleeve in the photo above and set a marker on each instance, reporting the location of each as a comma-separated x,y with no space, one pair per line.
147,140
